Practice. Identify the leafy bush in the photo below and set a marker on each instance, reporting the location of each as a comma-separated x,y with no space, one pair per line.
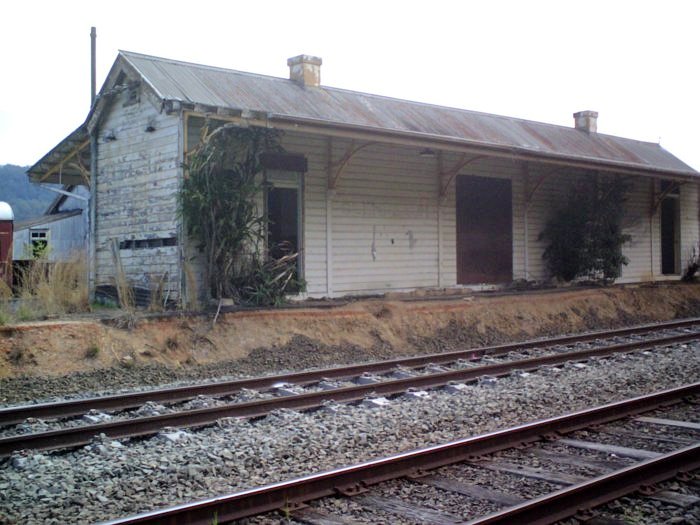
585,235
218,205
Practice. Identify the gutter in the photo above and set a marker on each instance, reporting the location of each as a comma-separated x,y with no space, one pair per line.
427,139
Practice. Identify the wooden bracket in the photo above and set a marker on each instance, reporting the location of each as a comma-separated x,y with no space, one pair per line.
656,202
448,176
58,167
335,169
530,192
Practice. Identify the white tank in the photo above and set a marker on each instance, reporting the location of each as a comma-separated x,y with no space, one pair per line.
6,213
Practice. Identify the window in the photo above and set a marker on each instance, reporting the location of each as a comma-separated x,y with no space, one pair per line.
39,240
140,244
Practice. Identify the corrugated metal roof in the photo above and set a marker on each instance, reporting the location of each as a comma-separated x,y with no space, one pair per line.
45,219
283,98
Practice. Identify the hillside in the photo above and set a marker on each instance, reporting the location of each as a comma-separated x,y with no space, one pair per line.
27,199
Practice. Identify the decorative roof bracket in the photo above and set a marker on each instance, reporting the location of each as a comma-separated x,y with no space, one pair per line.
448,176
335,169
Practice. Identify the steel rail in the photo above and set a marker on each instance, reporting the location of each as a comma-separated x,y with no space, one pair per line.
77,436
17,414
568,501
355,478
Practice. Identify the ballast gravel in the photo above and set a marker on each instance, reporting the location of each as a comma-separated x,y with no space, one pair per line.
109,479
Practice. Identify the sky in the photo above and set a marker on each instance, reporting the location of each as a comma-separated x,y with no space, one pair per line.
635,62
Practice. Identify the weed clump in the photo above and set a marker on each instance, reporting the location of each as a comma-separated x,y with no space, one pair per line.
92,352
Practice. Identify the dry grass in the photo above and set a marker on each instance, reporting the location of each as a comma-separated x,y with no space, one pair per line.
55,288
5,296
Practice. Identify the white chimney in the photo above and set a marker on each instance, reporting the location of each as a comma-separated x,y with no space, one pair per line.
586,121
305,70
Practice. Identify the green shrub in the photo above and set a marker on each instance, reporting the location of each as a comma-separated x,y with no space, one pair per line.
585,236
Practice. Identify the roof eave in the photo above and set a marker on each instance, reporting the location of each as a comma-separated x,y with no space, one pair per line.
421,139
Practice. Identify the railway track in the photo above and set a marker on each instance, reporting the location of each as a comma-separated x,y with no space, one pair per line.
388,488
16,414
434,376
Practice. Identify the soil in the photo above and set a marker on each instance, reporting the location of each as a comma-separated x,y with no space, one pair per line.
260,341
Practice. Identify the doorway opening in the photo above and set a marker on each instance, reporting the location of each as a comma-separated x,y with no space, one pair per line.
283,204
484,230
670,230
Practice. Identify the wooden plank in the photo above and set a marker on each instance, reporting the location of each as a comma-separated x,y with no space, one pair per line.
627,452
557,478
600,465
318,516
675,498
406,510
669,422
650,437
473,491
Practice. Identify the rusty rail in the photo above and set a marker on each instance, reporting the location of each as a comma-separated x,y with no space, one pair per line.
283,495
77,436
571,500
17,414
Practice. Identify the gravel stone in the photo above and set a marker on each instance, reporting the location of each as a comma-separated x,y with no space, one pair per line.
235,454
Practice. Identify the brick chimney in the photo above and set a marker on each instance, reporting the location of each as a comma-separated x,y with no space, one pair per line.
586,121
305,70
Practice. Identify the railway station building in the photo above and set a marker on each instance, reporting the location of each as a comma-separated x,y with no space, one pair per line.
377,194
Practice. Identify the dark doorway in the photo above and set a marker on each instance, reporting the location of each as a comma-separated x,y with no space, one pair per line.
484,230
670,235
283,221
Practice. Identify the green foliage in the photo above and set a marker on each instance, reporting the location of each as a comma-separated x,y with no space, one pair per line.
218,205
585,235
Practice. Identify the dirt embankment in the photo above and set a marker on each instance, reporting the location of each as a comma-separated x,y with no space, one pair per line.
302,337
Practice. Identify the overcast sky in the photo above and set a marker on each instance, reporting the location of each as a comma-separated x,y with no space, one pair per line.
635,62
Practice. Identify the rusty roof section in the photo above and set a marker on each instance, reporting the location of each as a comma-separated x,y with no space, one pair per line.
283,99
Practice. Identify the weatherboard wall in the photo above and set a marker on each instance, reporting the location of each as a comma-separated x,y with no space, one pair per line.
384,226
137,184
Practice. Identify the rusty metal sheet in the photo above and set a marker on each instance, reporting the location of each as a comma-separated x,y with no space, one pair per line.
218,87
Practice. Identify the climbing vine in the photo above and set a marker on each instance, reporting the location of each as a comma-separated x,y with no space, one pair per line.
585,235
219,204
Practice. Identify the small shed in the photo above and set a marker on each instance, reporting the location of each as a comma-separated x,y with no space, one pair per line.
58,234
